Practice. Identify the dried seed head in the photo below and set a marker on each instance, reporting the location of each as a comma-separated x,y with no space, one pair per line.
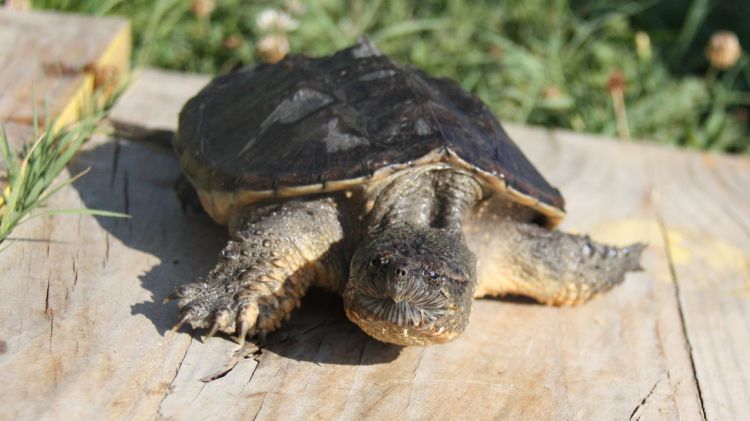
203,8
275,21
643,45
723,50
551,92
232,41
295,7
496,51
272,48
616,82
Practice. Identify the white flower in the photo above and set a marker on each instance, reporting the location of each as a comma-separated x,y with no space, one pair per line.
272,20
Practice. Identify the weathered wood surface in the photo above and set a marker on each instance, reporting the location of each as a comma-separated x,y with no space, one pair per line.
53,62
84,332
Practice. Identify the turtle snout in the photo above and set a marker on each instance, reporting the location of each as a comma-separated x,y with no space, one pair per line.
397,287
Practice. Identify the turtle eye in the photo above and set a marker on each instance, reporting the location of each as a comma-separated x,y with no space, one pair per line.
431,270
379,261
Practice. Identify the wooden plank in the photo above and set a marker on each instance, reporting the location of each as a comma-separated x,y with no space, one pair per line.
609,196
707,221
701,205
84,330
55,60
53,63
80,317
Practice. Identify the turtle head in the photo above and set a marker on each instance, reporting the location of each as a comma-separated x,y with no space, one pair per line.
411,286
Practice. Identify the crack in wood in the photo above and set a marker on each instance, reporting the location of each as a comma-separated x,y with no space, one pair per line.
257,361
51,330
252,374
357,369
663,354
284,339
47,310
260,408
115,163
203,386
126,200
125,192
642,403
171,383
237,359
413,377
220,374
75,272
680,310
106,250
256,356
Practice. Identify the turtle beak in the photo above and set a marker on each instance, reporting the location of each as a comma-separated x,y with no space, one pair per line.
397,293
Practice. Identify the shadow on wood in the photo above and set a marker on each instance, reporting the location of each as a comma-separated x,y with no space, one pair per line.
187,244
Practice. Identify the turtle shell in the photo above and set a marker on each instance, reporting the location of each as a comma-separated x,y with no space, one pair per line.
307,125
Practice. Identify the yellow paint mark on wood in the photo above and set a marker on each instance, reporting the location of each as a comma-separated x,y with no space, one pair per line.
700,252
101,81
72,111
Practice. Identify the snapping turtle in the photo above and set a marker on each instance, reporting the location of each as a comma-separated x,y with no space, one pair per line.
396,189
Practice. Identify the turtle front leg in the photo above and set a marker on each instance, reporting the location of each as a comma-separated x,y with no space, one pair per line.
275,252
552,267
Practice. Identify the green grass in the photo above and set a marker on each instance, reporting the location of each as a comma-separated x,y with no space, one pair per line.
534,62
31,173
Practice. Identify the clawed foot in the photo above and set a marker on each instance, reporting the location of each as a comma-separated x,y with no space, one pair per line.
261,275
239,296
202,305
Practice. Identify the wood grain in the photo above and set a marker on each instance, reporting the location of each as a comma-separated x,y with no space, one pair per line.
706,220
85,333
53,60
51,65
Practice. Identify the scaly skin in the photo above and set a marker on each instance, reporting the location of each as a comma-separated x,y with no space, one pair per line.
413,275
411,285
275,253
420,222
552,267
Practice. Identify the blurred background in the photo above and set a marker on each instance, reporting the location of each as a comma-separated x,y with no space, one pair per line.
669,71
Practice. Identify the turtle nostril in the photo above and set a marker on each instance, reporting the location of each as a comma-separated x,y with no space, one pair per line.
401,272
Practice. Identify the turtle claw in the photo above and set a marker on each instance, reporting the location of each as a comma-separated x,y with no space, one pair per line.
221,321
169,298
186,317
212,332
246,319
242,331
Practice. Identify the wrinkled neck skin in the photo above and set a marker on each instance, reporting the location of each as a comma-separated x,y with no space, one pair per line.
412,278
